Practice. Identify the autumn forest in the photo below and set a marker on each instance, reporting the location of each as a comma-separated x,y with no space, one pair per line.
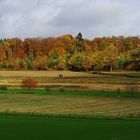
70,53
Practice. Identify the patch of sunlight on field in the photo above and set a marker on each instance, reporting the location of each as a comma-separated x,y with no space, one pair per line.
43,73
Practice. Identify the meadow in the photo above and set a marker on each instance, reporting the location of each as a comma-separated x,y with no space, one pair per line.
70,104
79,105
41,128
73,80
71,95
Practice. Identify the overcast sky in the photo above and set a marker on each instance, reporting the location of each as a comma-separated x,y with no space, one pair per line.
43,18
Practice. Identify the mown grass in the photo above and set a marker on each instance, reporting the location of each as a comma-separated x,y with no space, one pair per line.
69,105
43,74
111,94
40,128
73,80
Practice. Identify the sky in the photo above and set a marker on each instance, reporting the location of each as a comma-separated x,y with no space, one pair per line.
45,18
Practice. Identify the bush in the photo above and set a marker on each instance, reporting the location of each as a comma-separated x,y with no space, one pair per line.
118,92
47,88
29,83
3,87
61,89
97,68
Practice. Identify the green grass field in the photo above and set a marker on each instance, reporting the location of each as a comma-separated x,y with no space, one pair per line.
112,94
39,128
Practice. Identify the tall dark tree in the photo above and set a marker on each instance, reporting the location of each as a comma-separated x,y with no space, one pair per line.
80,43
79,37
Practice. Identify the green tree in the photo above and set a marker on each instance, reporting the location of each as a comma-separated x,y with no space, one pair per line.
134,62
122,60
76,62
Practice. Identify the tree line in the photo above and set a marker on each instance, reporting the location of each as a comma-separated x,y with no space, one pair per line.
70,53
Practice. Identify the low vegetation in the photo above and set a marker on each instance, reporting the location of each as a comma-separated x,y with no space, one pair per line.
29,83
62,91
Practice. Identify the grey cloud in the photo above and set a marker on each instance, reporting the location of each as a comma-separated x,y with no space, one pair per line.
97,18
40,18
26,18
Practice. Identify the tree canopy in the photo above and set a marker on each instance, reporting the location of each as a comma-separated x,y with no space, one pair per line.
70,53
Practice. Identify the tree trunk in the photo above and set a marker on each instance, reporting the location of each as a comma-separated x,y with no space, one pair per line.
111,68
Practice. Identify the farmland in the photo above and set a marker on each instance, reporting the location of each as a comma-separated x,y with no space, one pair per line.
80,105
40,128
69,105
69,70
84,94
73,80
